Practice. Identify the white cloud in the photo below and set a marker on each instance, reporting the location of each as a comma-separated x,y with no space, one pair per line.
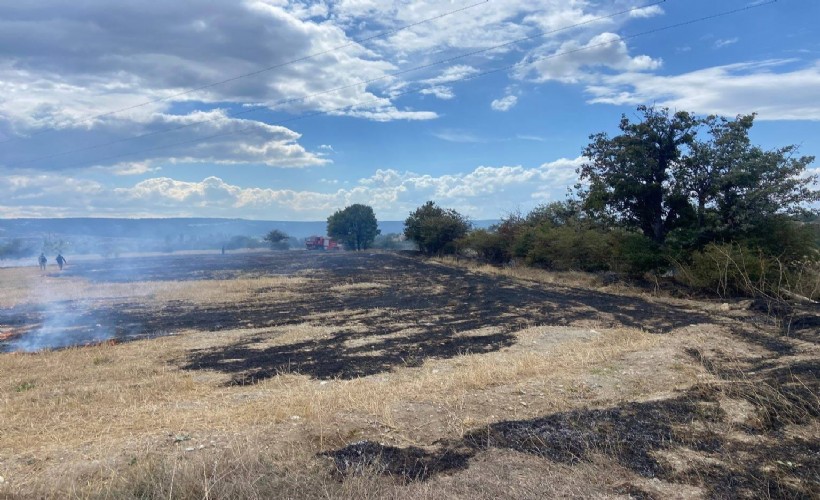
452,73
505,103
651,11
56,73
575,62
64,68
198,137
484,192
444,93
133,168
791,94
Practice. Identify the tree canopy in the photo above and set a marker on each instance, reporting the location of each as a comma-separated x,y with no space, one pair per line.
435,229
678,171
355,226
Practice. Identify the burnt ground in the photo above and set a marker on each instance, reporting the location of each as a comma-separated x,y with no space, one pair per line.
415,315
418,313
644,437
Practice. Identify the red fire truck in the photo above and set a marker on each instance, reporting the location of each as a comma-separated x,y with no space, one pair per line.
321,243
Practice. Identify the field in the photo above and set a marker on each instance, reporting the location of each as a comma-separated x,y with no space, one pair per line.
379,375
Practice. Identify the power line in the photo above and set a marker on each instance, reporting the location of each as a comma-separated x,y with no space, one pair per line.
462,79
354,41
282,102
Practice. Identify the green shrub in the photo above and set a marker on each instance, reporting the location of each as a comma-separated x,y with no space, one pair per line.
489,246
637,255
434,229
567,248
735,269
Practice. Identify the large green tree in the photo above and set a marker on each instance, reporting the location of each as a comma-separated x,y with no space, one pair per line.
435,229
630,176
355,226
672,171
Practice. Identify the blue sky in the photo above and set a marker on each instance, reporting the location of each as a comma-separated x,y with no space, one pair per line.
137,109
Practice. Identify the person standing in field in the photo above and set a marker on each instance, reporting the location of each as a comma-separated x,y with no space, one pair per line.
61,261
42,261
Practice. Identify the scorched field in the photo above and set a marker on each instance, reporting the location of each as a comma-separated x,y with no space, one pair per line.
372,375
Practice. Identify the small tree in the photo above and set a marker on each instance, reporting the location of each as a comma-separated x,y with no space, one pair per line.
355,226
435,229
277,239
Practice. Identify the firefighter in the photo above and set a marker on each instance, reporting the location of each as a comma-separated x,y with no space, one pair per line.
42,261
61,261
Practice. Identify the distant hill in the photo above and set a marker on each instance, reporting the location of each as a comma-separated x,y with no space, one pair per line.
160,228
109,235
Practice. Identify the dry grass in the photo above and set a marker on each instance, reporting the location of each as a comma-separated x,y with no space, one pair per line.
266,288
25,286
562,278
99,402
124,420
355,287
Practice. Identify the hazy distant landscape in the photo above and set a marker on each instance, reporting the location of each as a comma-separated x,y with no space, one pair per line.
110,236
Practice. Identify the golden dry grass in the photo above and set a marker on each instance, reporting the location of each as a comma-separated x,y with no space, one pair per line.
25,286
561,278
98,402
91,421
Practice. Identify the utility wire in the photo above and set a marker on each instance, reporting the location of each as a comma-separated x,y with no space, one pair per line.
354,41
466,78
336,89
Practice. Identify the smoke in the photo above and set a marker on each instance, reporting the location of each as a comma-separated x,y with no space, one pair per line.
52,320
63,324
58,322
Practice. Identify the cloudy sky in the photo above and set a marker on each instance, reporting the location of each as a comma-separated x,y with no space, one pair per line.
291,109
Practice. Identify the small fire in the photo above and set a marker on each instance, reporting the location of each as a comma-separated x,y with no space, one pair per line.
9,334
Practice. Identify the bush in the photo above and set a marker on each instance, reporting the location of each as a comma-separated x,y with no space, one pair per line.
735,269
490,246
434,229
238,242
637,255
567,248
277,239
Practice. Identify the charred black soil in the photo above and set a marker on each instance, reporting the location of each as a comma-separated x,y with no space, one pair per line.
745,429
644,437
434,302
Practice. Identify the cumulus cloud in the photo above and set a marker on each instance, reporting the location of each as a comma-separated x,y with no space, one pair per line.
484,192
64,69
774,89
575,62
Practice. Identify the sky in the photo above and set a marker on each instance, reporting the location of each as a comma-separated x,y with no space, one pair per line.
293,109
